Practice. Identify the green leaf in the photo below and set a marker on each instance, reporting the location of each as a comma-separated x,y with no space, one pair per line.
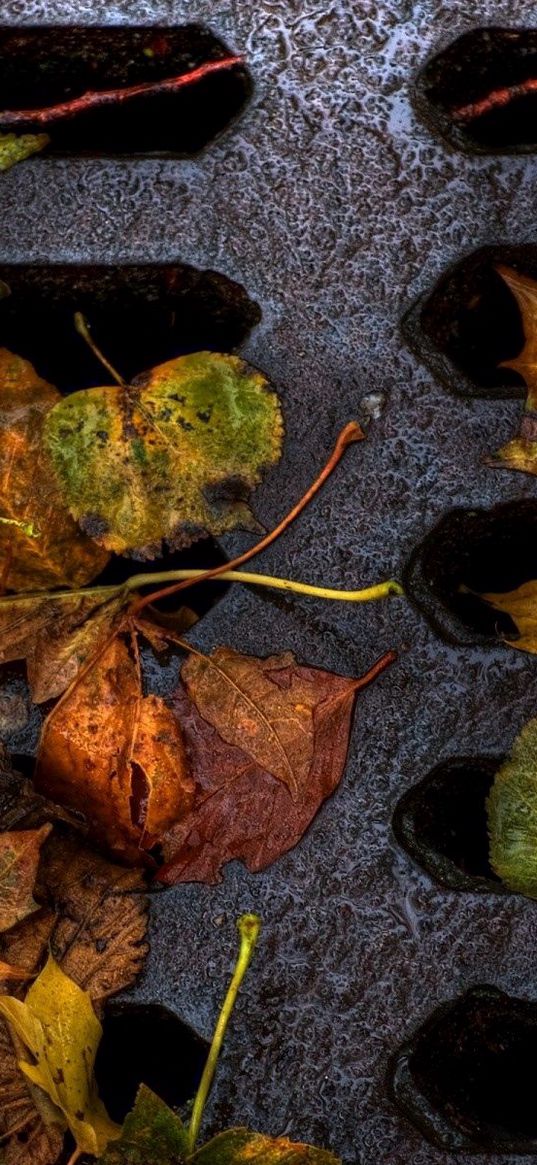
58,1026
152,1135
172,457
512,815
242,1147
16,147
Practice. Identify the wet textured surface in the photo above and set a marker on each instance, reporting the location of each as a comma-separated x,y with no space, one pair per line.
335,208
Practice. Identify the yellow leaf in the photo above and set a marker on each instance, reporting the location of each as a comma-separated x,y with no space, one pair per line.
58,1026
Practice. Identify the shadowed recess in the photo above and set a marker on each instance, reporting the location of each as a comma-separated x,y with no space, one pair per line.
42,67
484,551
470,323
139,316
478,92
465,1078
442,823
147,1044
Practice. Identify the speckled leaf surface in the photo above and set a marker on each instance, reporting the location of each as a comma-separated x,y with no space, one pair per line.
19,859
170,458
152,1134
17,147
512,815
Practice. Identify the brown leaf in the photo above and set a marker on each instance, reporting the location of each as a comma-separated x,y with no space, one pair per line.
19,859
521,452
57,634
242,809
27,1140
40,544
116,756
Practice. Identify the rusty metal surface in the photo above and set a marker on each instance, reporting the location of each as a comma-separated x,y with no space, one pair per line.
335,208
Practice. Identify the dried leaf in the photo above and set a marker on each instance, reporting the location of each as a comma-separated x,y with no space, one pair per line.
243,810
40,544
58,1026
152,1134
512,815
16,147
521,606
8,971
521,452
172,457
19,859
57,634
242,1147
116,756
27,1138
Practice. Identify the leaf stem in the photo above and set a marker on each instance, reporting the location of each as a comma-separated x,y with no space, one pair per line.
75,1157
495,100
248,926
351,433
96,99
82,327
365,595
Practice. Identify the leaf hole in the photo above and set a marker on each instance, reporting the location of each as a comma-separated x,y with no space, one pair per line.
442,823
486,551
41,67
139,315
465,1078
147,1044
474,93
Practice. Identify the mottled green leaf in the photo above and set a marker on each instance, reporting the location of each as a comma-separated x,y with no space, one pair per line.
512,815
171,457
16,147
242,1147
152,1134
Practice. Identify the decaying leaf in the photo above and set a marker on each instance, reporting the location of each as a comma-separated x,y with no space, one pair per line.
59,1028
172,457
115,756
19,859
521,452
152,1134
57,634
27,1138
242,1147
40,544
244,808
521,606
16,147
512,815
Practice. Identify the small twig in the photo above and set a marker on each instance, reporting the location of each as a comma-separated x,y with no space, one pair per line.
97,99
83,329
495,100
351,433
249,926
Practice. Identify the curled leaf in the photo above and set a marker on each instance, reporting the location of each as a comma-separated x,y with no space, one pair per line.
58,1026
521,607
19,859
243,805
512,815
171,457
17,147
40,544
115,756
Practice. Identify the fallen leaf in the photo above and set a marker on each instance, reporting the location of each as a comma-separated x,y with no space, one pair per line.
40,544
521,452
521,606
243,810
172,457
512,815
27,1137
8,971
152,1134
16,147
57,634
242,1147
19,859
115,756
58,1026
